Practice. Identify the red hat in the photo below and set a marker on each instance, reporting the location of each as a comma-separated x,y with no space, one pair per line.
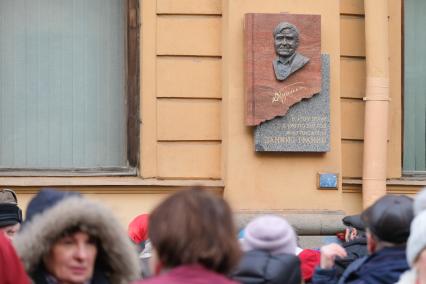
309,259
138,228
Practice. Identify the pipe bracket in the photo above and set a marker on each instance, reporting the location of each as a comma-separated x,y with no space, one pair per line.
376,98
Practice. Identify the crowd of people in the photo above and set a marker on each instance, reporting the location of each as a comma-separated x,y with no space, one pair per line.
190,237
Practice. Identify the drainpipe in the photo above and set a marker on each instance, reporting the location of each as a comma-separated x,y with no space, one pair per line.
376,101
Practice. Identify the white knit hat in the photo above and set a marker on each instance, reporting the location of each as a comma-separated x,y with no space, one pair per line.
416,241
269,233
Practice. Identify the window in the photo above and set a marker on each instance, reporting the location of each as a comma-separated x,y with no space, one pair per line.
68,85
414,87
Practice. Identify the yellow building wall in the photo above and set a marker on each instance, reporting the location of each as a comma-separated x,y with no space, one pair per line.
126,201
276,181
353,90
353,74
192,113
181,89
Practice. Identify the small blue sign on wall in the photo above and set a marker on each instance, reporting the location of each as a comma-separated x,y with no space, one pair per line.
328,180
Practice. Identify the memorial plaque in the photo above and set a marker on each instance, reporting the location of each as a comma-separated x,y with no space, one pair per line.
305,127
282,63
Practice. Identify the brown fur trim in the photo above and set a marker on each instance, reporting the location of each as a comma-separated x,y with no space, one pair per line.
37,236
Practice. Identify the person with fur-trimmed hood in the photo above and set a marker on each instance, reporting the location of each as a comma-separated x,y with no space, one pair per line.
69,239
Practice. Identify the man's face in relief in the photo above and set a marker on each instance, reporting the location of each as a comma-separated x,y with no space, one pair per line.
286,43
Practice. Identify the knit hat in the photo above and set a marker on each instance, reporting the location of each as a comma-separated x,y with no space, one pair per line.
138,229
420,202
389,218
10,213
269,233
45,199
417,241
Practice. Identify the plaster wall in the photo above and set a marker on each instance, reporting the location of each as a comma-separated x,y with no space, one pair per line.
192,113
280,180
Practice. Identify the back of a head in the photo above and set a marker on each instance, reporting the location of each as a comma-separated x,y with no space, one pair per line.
270,245
389,218
194,227
270,233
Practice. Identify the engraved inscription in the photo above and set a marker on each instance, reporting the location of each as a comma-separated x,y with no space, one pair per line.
303,130
281,96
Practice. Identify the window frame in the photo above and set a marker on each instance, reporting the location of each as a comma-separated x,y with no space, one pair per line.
405,174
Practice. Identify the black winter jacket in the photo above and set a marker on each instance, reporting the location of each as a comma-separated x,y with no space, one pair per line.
355,249
382,267
260,267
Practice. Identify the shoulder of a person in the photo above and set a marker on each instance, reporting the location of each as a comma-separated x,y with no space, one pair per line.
301,58
354,266
357,263
153,280
220,279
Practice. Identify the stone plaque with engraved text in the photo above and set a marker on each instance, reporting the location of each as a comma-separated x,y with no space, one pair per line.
305,127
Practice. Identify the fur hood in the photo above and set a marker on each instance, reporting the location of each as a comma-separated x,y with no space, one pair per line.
39,234
408,277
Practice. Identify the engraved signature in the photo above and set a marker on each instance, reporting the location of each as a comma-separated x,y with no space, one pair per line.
281,96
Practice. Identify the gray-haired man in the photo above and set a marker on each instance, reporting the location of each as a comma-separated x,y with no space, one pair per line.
286,41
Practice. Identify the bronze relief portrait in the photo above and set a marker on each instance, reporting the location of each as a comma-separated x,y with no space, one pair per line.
282,63
286,42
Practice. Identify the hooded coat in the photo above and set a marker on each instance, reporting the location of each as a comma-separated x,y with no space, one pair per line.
117,261
355,249
408,277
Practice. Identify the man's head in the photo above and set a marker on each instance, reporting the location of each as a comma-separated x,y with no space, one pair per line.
355,227
388,221
286,39
10,213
